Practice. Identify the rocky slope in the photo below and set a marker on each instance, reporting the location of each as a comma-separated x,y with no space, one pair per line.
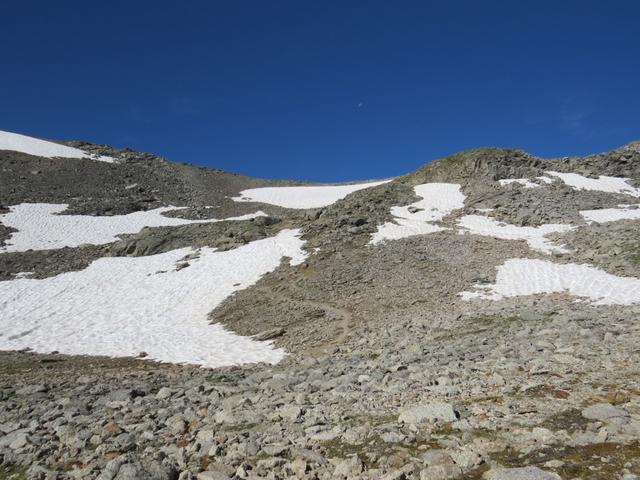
391,373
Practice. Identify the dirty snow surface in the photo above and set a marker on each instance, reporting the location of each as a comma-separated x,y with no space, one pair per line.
40,228
41,148
438,201
123,306
603,215
534,236
302,197
600,184
525,276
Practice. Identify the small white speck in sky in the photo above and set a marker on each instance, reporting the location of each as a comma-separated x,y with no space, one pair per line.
360,105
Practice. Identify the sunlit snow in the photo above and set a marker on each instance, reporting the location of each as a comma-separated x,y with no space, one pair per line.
41,148
534,236
600,184
39,228
525,276
603,215
302,197
438,201
123,306
525,182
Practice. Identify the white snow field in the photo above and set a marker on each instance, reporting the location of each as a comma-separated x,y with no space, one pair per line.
39,228
41,148
600,184
603,215
525,276
525,182
438,201
123,306
534,236
302,197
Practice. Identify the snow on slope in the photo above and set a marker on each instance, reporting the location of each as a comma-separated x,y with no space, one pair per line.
603,215
579,182
39,228
525,182
302,197
41,148
535,236
525,276
123,306
438,201
601,184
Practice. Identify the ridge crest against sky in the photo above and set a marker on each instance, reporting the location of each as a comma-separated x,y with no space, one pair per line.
323,91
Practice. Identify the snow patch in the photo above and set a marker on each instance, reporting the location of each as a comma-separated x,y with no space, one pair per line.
39,228
534,236
438,201
302,197
525,276
123,306
603,215
41,148
601,184
525,182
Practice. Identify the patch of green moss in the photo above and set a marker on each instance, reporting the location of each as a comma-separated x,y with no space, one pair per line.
569,420
374,447
14,472
598,461
481,324
374,420
484,433
338,448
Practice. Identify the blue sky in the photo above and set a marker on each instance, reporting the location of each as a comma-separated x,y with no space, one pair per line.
324,91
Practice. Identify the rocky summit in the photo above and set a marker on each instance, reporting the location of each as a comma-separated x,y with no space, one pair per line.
477,318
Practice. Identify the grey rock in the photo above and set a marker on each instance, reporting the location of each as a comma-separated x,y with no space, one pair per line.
15,439
163,393
429,412
212,476
128,467
523,473
441,472
348,467
605,412
270,334
402,473
32,389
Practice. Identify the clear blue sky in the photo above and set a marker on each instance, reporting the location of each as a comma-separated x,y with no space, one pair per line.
323,90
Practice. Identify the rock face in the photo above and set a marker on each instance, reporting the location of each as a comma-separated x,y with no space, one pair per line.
391,374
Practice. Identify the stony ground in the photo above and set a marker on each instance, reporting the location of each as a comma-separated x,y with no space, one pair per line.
541,385
390,375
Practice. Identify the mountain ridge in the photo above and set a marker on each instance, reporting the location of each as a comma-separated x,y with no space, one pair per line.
475,318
